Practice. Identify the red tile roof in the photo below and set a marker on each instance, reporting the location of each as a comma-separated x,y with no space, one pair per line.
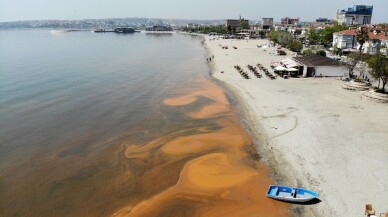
347,32
381,35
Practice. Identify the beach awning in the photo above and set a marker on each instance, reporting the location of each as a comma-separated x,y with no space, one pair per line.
280,68
289,63
292,70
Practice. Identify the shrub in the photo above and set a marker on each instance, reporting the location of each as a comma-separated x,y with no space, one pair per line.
307,52
320,53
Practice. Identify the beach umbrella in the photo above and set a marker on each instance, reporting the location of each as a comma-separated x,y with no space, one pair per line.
280,68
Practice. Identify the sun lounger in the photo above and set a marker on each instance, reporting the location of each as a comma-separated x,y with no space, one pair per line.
369,210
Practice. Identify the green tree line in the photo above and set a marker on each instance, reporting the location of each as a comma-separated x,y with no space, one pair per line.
207,29
324,36
285,39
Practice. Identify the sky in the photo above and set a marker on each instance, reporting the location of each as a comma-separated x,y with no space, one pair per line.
306,10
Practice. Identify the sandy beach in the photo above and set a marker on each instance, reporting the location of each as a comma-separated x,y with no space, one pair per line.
310,132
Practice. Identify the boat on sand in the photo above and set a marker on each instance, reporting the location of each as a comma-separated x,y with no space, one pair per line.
289,194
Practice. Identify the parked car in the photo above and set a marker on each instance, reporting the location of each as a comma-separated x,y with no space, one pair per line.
281,52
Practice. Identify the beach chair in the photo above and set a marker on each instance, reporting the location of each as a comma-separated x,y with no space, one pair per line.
369,210
384,214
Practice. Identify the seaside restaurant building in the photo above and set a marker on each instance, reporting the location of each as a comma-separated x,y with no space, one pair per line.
315,65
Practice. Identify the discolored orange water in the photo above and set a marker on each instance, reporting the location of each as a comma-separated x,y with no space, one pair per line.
220,178
86,132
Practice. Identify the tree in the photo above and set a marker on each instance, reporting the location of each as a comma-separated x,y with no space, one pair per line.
207,29
362,68
326,35
362,36
295,46
229,29
312,36
320,53
379,69
307,52
273,36
244,24
336,50
353,59
285,39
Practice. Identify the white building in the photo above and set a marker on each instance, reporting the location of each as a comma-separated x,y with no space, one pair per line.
314,65
347,40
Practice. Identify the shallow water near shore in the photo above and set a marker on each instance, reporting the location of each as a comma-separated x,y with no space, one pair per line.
121,125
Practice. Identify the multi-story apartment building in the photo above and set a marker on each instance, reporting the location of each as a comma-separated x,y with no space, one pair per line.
289,21
235,24
267,23
347,39
356,15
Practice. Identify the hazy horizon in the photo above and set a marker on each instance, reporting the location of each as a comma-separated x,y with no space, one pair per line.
22,10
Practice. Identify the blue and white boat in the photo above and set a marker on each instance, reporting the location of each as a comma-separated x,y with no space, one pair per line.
297,195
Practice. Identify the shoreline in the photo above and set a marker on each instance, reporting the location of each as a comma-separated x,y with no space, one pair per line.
294,168
262,146
219,174
259,139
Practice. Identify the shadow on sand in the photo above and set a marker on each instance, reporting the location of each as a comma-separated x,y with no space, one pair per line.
311,202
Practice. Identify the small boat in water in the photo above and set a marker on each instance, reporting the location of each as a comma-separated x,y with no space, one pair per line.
289,194
117,30
102,31
124,30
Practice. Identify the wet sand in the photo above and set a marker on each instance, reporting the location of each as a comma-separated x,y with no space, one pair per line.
223,179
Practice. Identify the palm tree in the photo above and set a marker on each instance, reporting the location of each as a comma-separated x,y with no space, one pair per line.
362,36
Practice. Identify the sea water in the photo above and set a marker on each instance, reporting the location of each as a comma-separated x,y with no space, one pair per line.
101,124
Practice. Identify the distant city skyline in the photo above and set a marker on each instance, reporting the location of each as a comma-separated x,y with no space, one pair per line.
306,10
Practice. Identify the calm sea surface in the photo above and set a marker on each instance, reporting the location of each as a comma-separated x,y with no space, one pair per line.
66,99
56,86
121,125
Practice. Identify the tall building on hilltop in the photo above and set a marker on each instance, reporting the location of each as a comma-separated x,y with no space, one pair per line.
356,15
323,20
235,24
289,21
267,23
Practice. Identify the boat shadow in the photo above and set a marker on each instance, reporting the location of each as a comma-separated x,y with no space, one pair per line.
311,202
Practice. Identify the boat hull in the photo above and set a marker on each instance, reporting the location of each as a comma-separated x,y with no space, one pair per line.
289,194
292,199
